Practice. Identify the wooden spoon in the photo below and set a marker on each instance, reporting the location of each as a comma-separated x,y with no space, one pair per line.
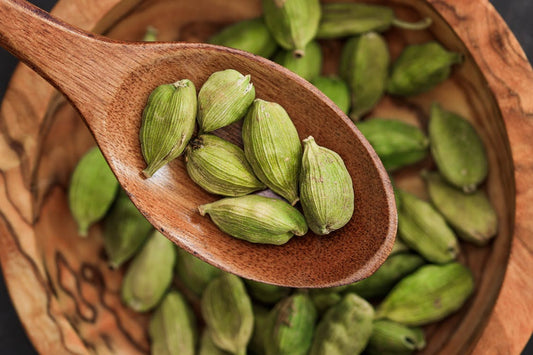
109,82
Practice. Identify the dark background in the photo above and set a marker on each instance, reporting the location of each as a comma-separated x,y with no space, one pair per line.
13,339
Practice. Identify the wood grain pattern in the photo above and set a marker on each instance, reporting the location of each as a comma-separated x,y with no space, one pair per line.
67,297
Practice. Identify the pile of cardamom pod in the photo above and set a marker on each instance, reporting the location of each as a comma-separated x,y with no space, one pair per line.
199,309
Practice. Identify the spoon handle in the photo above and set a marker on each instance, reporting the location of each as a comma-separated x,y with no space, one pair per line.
82,66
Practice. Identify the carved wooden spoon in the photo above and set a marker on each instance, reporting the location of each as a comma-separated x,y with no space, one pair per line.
109,82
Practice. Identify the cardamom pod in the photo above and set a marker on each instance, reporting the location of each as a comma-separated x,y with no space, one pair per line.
424,229
457,149
207,347
383,280
365,67
471,215
125,231
92,189
308,66
421,67
290,326
398,246
247,35
335,89
150,274
167,123
345,328
223,99
326,189
351,18
256,346
266,293
172,327
395,339
397,143
429,294
293,23
227,311
324,299
257,219
272,147
220,167
194,272
150,35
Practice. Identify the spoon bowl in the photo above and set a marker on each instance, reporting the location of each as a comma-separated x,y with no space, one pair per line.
109,82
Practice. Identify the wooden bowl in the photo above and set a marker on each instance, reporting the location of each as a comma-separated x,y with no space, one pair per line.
67,297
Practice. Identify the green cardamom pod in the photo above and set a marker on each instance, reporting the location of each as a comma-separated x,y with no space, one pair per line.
227,311
257,219
207,347
308,66
345,328
272,147
394,339
266,293
150,274
424,229
397,143
428,295
293,23
398,246
125,231
256,346
247,35
324,299
223,99
326,189
167,123
194,272
336,89
457,149
92,189
383,280
421,67
471,215
290,326
150,35
365,67
352,18
172,327
220,167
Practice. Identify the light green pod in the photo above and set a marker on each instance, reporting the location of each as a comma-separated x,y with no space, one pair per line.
227,312
125,231
364,66
324,299
223,99
220,167
256,346
272,147
326,189
428,295
421,67
345,328
92,189
150,274
167,124
173,327
207,347
353,18
247,35
257,219
397,143
194,272
293,23
290,326
393,338
457,149
266,293
308,66
150,35
335,89
383,280
424,229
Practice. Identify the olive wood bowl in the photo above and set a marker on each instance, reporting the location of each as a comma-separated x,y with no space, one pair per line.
67,297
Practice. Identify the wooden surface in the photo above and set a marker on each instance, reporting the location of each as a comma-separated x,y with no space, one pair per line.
82,310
